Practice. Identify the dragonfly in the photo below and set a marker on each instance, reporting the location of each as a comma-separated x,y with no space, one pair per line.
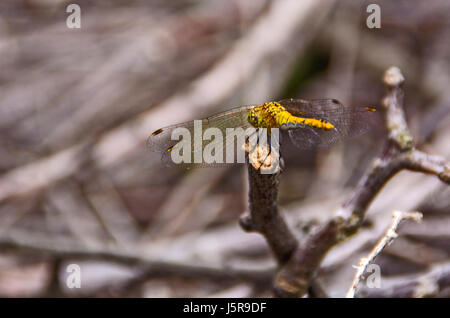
309,124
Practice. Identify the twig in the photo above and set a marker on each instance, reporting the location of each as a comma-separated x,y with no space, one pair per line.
53,287
432,283
388,237
294,278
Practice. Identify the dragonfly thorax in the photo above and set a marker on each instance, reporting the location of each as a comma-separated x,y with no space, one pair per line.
265,115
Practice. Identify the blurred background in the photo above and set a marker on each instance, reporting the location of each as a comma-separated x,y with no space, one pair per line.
79,186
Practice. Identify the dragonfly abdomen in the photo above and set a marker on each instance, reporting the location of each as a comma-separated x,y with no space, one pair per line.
289,121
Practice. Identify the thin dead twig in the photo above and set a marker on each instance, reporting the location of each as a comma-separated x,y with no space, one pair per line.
387,239
431,283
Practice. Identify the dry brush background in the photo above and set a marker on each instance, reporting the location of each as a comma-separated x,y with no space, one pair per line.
77,184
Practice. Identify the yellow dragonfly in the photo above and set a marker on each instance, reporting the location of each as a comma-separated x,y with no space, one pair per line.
309,123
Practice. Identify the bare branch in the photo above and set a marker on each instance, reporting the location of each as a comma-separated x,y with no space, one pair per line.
263,216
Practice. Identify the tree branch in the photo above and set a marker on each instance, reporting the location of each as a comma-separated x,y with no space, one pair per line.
263,215
294,279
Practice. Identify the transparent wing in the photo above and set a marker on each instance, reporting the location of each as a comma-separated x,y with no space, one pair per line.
347,121
161,139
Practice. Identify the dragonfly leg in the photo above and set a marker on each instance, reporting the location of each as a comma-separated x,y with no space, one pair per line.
249,141
269,143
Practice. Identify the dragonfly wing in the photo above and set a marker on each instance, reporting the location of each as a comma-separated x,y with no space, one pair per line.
161,140
309,137
347,121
